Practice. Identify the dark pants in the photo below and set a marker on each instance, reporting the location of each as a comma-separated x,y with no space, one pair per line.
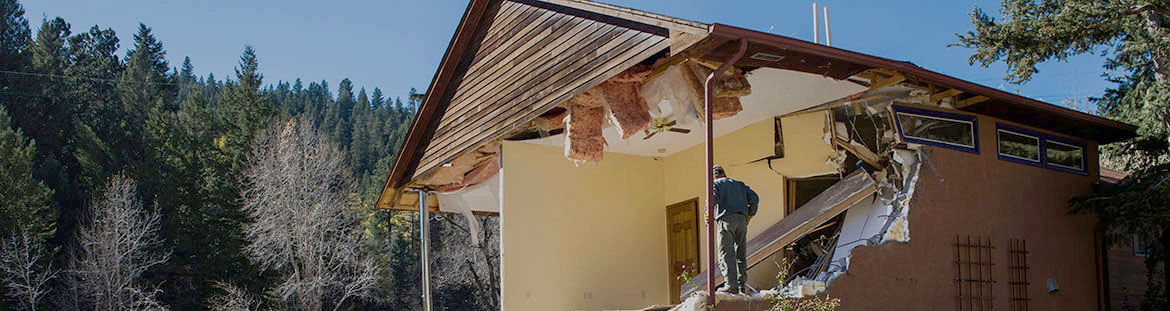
733,250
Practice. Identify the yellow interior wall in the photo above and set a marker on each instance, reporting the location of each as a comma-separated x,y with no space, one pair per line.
581,238
805,153
593,236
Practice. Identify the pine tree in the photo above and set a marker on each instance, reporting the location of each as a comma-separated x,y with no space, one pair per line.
1134,35
27,204
14,35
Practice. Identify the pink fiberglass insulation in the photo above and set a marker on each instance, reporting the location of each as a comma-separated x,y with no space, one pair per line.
723,107
583,141
734,85
627,110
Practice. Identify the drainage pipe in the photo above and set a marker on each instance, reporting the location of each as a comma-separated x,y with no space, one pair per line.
709,100
425,236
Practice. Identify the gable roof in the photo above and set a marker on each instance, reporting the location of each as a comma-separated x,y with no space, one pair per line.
509,61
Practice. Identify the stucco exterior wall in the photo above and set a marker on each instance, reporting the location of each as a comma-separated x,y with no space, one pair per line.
581,238
594,236
805,154
980,195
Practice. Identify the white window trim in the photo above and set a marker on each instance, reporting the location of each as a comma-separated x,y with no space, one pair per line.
972,124
998,148
1082,149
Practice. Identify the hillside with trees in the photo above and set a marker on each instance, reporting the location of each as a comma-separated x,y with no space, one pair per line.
97,146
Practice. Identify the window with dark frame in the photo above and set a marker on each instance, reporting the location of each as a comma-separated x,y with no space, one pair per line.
1034,148
1064,155
801,190
937,128
1140,247
1018,145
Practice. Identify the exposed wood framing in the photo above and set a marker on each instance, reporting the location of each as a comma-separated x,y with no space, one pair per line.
970,101
935,97
856,187
861,152
897,77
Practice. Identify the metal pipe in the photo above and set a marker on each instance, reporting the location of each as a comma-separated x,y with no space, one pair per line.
709,100
425,236
816,25
828,34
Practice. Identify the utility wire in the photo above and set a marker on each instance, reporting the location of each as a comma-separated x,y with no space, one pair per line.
45,75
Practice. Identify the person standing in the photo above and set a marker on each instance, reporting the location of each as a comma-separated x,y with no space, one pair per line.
735,204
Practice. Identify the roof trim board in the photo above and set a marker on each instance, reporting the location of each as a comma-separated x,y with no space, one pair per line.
1118,130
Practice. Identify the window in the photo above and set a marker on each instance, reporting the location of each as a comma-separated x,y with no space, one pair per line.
928,127
802,190
1044,150
1065,155
1140,248
1018,145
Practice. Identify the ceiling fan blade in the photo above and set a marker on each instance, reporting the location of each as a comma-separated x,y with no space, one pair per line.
679,130
651,135
671,123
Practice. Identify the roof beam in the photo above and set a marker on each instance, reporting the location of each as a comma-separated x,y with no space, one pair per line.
934,98
970,101
897,77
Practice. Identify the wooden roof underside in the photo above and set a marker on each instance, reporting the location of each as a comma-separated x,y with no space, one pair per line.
510,61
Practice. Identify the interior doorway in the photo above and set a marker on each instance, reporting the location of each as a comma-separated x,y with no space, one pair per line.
682,233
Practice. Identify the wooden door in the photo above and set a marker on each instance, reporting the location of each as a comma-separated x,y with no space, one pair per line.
682,233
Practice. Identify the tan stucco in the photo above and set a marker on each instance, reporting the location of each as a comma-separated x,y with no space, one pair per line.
581,238
961,193
594,236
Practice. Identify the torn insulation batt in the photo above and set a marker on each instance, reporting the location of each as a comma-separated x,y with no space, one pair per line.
583,141
626,109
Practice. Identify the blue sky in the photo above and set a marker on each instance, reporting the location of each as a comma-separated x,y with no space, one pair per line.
396,45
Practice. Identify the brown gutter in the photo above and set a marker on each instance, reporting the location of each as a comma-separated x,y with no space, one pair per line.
429,108
709,100
911,69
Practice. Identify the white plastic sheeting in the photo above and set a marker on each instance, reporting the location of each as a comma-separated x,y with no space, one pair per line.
481,197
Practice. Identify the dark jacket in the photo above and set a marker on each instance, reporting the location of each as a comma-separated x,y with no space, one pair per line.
733,196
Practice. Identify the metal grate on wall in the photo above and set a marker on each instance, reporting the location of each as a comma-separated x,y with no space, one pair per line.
1018,274
974,284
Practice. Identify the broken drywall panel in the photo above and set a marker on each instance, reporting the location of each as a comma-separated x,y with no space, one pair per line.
863,221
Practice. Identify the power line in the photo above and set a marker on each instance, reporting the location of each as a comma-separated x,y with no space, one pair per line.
45,75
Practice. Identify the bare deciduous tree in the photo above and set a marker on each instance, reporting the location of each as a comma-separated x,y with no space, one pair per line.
25,278
233,299
307,225
115,247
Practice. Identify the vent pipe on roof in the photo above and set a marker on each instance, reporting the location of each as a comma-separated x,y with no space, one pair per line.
828,34
816,25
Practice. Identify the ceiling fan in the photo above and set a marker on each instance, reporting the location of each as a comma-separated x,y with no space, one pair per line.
662,125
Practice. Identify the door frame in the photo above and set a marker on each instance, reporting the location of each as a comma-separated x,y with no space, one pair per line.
694,202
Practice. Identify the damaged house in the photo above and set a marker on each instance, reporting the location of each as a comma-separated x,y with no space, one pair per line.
582,127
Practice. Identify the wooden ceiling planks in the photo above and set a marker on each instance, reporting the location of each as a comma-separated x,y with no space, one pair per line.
531,59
